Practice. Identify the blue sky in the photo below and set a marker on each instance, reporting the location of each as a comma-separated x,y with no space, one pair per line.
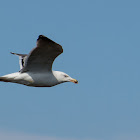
101,50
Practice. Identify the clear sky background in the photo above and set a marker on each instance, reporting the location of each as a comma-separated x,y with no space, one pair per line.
101,42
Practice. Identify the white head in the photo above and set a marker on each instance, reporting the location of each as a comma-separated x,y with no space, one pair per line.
63,77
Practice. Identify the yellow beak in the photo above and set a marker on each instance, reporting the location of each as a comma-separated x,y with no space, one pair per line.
74,81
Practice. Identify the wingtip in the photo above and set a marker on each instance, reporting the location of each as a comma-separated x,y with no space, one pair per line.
41,37
12,53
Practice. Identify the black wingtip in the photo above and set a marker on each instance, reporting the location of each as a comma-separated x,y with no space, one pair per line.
42,37
12,53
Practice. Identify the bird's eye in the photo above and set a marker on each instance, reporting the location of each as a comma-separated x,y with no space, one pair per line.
66,76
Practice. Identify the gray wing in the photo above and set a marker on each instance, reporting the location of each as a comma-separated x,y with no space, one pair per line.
42,56
22,58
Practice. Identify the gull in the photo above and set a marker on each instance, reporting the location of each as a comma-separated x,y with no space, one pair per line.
36,67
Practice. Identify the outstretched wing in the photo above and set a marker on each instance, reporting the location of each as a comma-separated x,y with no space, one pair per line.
22,58
42,56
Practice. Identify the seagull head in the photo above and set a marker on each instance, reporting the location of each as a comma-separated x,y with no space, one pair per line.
63,77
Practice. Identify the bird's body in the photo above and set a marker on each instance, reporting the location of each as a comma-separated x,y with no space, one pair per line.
33,79
36,68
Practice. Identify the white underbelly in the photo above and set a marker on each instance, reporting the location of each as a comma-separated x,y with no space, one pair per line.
32,79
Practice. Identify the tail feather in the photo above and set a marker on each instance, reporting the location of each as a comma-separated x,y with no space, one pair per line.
15,78
4,79
9,77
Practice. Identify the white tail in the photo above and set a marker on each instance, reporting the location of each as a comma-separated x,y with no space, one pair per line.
4,79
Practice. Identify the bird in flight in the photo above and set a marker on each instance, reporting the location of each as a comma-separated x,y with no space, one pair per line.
36,67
